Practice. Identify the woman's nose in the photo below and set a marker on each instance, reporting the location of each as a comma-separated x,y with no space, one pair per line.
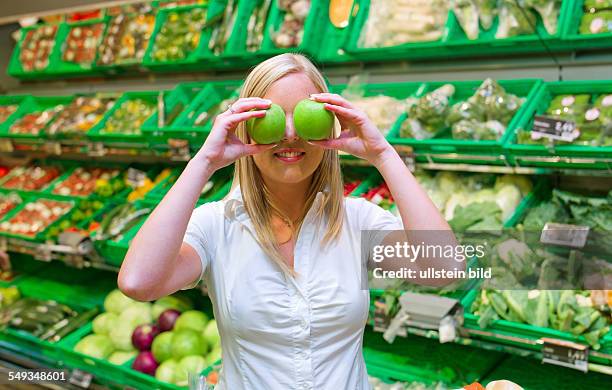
290,133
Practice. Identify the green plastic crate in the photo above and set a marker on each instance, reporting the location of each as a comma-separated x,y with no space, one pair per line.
209,97
311,40
572,35
14,67
562,155
69,171
30,105
95,133
62,68
443,147
333,46
417,358
191,60
453,42
179,98
208,58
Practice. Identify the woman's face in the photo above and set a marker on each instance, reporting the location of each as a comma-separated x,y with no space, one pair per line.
293,160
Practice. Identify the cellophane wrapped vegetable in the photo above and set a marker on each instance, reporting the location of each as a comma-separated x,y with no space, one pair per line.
467,15
291,30
179,36
395,22
514,20
222,31
487,11
427,115
549,12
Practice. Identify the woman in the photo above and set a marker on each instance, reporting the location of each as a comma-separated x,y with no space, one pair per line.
281,254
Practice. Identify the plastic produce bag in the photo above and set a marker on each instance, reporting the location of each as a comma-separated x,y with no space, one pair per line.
571,107
395,22
495,102
514,20
467,15
475,130
427,115
549,12
487,11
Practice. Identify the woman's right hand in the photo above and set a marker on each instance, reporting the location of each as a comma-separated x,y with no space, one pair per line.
222,147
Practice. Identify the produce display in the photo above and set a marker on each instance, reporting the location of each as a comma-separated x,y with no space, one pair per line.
483,116
129,117
351,181
180,35
592,115
34,123
118,221
141,190
45,319
565,310
35,217
203,116
84,181
36,48
30,178
291,30
6,111
223,26
382,110
8,202
82,42
257,25
166,339
80,115
83,211
392,23
478,202
127,37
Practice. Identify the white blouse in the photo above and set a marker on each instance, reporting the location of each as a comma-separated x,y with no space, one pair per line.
277,331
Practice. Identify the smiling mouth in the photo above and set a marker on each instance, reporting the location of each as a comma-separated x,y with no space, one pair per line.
289,156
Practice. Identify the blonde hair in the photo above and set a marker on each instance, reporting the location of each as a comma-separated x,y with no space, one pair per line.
327,177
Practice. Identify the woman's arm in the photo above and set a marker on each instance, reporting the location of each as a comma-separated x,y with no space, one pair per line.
158,263
422,221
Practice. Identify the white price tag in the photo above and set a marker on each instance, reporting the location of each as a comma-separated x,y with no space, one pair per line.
574,236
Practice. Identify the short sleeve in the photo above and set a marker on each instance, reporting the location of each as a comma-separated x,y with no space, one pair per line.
200,236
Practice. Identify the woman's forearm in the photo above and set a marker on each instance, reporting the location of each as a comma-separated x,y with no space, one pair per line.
423,222
417,210
154,251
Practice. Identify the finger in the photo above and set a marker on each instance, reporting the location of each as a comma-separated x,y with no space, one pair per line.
332,98
335,143
346,114
248,104
232,120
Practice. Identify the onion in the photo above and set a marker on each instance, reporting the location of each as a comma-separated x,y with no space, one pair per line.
143,336
167,319
145,363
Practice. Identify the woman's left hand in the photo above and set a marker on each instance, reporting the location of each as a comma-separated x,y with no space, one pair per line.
358,136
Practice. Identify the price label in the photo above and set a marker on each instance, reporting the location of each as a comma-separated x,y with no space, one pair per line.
565,354
554,128
135,177
574,236
53,147
97,149
81,378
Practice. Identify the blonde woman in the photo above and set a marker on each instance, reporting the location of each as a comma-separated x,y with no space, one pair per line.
281,254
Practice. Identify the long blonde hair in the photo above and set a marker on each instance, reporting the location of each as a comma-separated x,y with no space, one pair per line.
327,177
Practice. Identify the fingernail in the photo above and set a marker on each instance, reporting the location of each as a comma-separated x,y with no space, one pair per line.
268,101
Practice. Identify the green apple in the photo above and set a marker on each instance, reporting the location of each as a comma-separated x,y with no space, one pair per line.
312,121
270,128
